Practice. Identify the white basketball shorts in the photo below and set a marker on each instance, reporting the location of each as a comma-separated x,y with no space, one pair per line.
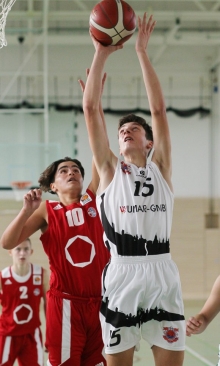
142,297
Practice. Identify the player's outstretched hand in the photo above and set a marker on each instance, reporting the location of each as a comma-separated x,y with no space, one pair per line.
83,85
32,199
145,28
195,325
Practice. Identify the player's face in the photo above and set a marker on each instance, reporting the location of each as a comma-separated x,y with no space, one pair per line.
131,135
67,177
21,253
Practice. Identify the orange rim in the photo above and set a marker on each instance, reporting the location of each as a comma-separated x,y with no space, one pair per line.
21,184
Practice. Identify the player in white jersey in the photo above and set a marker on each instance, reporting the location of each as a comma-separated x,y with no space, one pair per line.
141,286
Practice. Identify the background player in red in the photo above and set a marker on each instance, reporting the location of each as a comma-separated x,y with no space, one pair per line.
22,287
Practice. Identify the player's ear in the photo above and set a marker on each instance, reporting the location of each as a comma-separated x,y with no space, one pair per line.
150,144
53,187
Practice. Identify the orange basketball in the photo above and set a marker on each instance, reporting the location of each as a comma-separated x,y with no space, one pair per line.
112,22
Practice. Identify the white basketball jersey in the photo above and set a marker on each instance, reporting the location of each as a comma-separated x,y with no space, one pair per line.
136,211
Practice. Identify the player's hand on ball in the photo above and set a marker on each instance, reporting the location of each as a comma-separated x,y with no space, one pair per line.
106,49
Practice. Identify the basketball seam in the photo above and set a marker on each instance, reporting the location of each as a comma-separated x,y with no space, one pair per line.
111,21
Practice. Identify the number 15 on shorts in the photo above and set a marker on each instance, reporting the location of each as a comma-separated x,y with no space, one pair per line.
115,338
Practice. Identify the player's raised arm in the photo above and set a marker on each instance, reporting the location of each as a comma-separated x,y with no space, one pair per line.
162,145
30,219
93,185
91,103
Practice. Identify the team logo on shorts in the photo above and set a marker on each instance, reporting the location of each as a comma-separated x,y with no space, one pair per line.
171,334
92,212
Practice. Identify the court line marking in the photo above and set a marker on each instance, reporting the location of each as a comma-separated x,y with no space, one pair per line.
199,357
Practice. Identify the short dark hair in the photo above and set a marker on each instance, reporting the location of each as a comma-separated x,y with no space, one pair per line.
141,121
29,240
48,175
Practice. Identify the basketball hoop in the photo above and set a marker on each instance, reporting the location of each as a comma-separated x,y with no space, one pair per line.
5,7
20,188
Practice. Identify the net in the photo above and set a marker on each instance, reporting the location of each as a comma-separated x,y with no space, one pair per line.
20,188
5,7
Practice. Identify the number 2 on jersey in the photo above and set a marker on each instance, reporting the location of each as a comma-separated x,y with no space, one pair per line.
23,290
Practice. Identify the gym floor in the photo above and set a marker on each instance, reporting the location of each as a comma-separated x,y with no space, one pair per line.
201,349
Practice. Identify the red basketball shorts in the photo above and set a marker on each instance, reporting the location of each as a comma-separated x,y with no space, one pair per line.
73,331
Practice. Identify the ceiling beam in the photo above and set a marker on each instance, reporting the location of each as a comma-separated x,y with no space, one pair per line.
21,67
186,16
81,4
200,5
191,38
216,6
168,36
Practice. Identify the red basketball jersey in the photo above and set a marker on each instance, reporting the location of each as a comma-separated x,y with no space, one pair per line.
74,244
21,297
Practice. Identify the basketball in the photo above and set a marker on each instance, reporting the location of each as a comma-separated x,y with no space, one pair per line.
112,22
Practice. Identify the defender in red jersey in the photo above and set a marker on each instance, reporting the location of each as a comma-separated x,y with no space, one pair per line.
72,237
22,286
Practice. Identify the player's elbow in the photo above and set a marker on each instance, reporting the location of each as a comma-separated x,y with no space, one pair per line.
158,111
90,111
88,101
6,244
89,107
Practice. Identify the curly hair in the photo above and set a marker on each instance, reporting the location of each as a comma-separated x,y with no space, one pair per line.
141,121
48,175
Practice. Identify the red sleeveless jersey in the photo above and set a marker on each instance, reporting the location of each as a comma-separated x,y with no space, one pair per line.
74,245
20,300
